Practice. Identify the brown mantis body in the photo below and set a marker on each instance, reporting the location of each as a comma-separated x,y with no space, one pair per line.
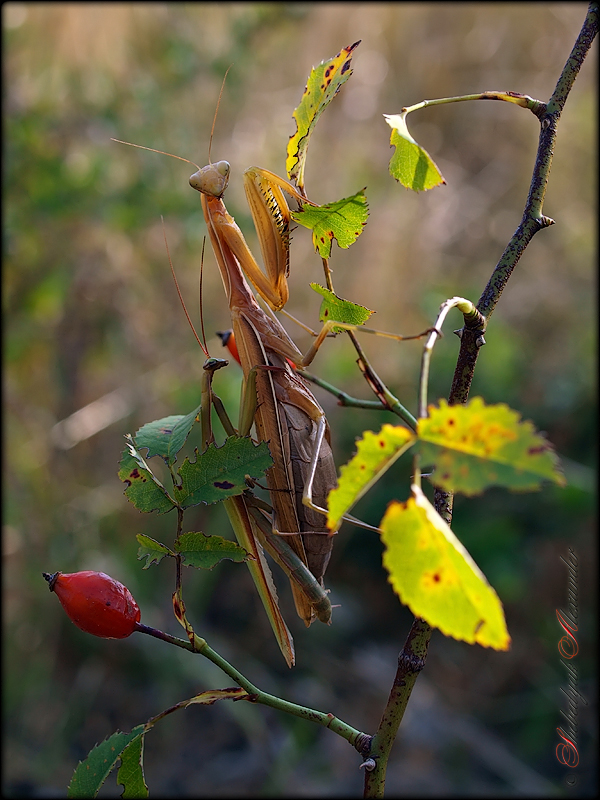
287,415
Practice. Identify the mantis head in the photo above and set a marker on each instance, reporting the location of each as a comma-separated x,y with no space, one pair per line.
212,179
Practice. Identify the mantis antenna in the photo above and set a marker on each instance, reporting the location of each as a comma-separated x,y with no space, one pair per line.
181,300
212,130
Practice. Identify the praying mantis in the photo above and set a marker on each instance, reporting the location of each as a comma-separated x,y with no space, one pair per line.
286,413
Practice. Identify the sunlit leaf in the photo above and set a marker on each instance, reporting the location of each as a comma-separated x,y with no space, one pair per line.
131,771
151,550
433,574
475,446
342,220
340,310
375,453
324,82
144,489
221,472
202,551
91,773
411,164
165,437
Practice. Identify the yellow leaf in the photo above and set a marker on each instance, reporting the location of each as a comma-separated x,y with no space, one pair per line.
375,453
475,446
434,575
323,83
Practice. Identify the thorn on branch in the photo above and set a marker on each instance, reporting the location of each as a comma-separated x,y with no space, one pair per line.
369,764
545,222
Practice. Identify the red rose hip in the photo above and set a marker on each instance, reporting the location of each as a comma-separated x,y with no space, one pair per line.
96,603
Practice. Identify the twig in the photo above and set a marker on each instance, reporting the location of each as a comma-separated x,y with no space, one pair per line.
360,741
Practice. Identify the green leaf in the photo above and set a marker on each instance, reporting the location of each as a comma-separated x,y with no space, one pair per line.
165,437
324,82
131,771
411,164
151,550
221,472
434,575
375,453
144,490
340,310
91,773
202,551
342,220
475,446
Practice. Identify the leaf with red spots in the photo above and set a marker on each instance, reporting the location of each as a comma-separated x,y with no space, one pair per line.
434,575
475,446
375,453
342,220
144,489
340,310
324,82
221,472
411,165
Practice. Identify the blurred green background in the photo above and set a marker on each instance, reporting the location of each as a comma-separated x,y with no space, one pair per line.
91,317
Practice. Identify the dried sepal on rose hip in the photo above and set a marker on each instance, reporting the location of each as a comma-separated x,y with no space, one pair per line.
96,603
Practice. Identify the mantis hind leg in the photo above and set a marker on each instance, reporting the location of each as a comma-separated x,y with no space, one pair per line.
318,417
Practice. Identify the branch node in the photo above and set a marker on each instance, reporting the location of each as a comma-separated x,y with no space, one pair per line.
480,341
409,662
459,332
538,108
363,743
545,222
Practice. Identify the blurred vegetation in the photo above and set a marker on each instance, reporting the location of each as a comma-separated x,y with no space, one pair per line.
91,313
